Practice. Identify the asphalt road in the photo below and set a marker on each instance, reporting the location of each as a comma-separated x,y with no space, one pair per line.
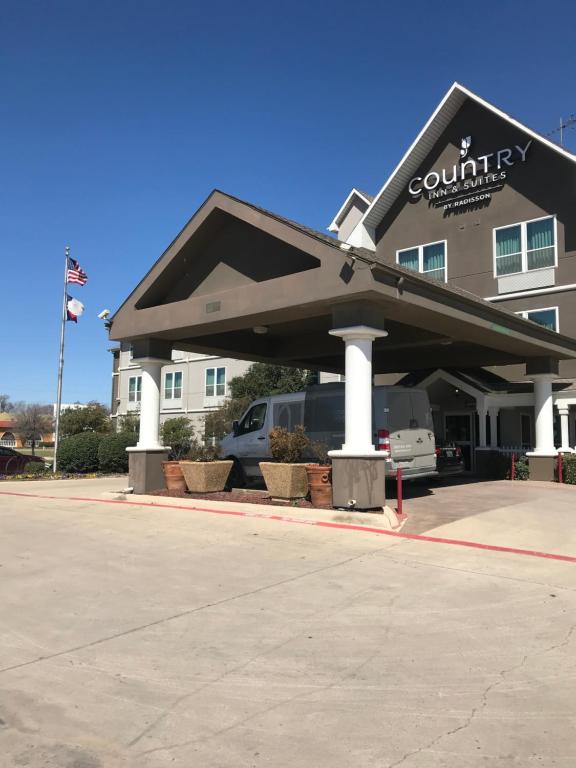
132,636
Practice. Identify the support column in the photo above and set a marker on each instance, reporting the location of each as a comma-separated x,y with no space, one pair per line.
493,412
150,405
544,415
358,388
145,459
564,410
358,468
482,413
541,459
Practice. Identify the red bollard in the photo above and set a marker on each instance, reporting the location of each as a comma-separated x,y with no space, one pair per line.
560,480
399,491
513,467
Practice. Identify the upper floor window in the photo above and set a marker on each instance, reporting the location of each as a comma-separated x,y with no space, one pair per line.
427,259
215,382
525,246
547,317
173,386
134,389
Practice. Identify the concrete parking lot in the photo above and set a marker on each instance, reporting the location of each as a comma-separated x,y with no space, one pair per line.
152,637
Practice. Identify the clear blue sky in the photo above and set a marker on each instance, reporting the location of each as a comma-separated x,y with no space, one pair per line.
119,118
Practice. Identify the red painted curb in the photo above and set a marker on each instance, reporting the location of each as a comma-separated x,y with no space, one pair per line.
318,523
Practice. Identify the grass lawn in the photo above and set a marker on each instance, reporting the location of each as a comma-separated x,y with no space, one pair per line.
45,453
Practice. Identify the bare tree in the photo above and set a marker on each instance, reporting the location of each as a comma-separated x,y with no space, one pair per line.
5,404
33,421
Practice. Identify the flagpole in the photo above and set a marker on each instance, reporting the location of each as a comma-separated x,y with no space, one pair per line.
61,360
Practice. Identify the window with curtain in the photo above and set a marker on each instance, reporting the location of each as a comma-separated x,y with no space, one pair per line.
525,246
215,382
134,389
428,259
173,386
546,317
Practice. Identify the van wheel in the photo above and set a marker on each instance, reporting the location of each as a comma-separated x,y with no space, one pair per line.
236,478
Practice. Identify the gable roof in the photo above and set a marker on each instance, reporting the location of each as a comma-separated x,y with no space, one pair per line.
419,150
337,220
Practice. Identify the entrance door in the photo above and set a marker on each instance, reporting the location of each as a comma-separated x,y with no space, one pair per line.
458,431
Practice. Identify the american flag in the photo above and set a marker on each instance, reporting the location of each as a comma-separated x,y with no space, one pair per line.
75,273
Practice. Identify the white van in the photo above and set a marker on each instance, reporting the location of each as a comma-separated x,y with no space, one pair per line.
401,422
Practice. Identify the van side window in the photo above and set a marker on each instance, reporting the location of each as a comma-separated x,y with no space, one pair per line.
254,419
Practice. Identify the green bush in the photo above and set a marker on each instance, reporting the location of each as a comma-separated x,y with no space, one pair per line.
79,453
112,455
568,469
521,469
178,433
36,468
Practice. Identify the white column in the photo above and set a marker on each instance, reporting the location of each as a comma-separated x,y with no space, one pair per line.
544,416
481,408
493,412
358,388
149,437
564,410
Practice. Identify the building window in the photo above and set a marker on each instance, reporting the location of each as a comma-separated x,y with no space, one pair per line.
173,386
215,382
427,259
525,247
134,389
547,317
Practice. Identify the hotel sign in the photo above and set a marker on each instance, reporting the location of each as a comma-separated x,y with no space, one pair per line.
471,180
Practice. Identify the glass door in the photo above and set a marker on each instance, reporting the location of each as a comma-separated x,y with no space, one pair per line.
458,431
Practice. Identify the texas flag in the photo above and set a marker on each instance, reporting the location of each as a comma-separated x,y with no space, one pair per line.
74,309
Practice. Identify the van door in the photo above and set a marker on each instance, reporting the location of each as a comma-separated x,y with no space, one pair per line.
422,429
405,413
251,442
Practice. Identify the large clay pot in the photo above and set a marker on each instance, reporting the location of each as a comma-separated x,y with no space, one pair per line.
285,481
173,476
320,483
206,476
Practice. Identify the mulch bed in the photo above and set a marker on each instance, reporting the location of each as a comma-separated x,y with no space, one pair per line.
244,497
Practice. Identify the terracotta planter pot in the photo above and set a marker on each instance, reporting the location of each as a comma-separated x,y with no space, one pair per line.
206,476
285,481
320,483
173,476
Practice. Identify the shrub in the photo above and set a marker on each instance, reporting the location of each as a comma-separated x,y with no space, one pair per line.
112,455
288,447
36,468
319,451
568,469
521,469
178,434
198,452
79,453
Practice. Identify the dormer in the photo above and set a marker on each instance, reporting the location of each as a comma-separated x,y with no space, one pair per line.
350,213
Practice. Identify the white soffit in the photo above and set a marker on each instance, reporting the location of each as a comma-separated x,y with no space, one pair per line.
425,142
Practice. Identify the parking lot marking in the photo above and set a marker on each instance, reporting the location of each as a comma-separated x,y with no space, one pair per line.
304,521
